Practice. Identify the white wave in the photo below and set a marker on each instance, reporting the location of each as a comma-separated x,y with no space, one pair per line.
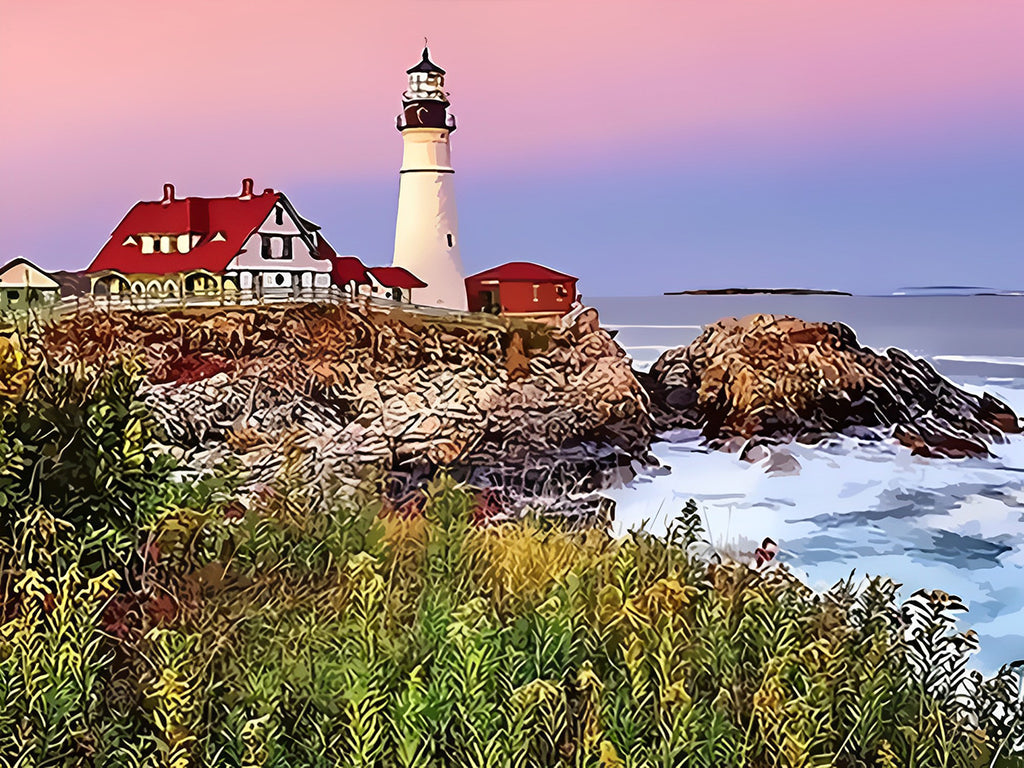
643,365
688,327
869,507
992,359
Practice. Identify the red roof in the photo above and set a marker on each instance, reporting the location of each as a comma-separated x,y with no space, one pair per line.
396,277
235,218
347,269
521,272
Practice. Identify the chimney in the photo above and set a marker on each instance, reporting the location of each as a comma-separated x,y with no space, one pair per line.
246,189
168,194
268,191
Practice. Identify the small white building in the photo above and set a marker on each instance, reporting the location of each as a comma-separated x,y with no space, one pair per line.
394,284
24,285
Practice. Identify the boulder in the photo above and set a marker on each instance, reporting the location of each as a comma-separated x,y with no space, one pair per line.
786,379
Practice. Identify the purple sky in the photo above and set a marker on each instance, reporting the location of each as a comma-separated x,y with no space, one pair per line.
863,145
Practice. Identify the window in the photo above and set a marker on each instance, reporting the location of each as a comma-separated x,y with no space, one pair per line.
536,287
130,241
270,252
451,240
165,244
561,291
279,279
147,244
12,295
278,214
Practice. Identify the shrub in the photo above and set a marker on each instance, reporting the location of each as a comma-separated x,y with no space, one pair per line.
300,632
75,447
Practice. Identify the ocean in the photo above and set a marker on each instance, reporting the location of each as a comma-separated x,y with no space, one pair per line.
859,508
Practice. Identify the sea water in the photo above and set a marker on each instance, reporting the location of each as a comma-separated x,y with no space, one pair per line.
850,507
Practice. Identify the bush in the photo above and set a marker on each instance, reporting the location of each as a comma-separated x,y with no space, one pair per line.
75,449
303,633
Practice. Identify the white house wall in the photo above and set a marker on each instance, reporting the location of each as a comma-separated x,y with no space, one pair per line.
24,275
288,225
302,260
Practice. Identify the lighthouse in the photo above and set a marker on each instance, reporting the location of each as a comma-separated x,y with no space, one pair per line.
427,230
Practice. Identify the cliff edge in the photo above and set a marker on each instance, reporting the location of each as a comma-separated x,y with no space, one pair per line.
328,390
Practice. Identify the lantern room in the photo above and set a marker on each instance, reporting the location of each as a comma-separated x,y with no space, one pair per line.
426,81
425,103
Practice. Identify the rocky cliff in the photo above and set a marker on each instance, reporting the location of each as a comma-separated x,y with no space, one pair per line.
532,411
778,377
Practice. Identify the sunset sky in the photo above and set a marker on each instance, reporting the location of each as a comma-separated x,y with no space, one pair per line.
862,145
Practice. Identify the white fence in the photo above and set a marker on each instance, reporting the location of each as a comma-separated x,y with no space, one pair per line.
130,301
332,295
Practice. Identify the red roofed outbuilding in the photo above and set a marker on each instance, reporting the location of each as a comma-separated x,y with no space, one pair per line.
521,288
396,283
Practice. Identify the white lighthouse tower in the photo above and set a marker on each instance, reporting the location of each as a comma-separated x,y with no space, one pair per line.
427,231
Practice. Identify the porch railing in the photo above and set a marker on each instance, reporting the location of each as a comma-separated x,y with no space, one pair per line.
269,296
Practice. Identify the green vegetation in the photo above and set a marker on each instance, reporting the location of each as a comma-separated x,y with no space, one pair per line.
149,618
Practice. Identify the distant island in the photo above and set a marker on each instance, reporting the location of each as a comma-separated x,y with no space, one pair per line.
751,291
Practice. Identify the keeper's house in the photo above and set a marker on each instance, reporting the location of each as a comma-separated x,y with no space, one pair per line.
23,285
521,288
248,245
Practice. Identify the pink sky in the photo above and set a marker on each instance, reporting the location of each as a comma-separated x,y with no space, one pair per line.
104,101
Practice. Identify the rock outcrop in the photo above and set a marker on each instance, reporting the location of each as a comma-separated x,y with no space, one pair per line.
328,390
780,378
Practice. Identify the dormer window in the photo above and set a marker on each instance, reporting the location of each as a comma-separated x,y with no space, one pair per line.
130,241
163,243
218,237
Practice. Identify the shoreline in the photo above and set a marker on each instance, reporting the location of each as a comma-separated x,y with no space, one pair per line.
757,292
